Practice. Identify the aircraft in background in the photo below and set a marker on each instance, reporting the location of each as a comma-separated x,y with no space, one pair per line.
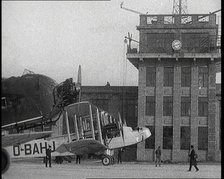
33,102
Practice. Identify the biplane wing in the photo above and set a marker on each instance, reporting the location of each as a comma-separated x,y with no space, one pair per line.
12,139
83,146
23,123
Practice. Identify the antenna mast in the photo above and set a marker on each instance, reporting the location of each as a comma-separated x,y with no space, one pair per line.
131,10
180,7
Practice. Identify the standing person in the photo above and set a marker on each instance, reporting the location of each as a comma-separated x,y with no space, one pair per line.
158,156
78,158
193,160
48,156
119,158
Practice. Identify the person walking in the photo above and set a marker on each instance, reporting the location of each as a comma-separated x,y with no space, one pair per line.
78,158
48,156
193,160
119,158
158,156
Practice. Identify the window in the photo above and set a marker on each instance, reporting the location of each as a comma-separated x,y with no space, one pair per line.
167,137
202,138
159,43
185,138
185,106
202,106
186,19
168,20
203,77
203,19
168,76
167,106
150,142
185,76
152,20
196,42
150,76
150,106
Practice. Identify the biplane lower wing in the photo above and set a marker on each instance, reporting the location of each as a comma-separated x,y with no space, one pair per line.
80,147
13,139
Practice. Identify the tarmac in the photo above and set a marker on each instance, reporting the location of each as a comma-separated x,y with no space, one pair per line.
35,169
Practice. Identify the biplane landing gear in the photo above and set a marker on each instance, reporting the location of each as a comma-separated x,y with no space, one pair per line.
107,160
59,159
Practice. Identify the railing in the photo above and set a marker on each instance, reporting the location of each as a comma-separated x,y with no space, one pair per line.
170,19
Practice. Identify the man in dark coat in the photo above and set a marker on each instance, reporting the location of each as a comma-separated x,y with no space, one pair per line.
119,158
193,157
158,156
78,158
48,156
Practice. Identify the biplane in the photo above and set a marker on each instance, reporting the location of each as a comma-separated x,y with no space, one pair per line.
96,131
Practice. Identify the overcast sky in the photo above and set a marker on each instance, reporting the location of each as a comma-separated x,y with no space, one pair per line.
54,37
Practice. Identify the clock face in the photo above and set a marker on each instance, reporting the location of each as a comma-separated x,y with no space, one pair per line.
176,44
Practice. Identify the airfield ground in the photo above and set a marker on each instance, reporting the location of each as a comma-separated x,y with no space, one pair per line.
35,169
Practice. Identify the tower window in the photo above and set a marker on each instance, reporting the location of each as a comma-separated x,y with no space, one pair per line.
167,137
185,76
202,138
168,20
185,106
203,77
150,142
152,20
150,76
168,76
202,106
167,106
150,106
185,137
186,19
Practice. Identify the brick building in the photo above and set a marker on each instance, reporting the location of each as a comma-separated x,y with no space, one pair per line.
176,60
116,99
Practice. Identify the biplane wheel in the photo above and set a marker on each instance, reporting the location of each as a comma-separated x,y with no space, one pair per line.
5,161
106,160
59,159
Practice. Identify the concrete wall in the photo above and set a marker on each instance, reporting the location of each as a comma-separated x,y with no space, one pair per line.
176,120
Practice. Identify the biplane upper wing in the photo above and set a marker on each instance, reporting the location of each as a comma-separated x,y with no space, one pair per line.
83,146
13,139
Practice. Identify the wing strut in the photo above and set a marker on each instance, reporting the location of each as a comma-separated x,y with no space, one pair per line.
67,125
76,128
91,121
99,126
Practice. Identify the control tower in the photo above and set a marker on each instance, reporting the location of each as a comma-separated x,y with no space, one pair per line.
176,60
